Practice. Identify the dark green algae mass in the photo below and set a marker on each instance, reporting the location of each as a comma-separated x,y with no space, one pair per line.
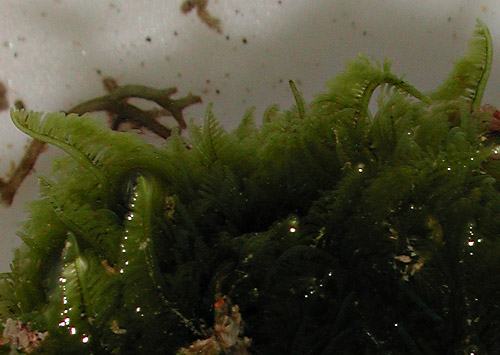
333,229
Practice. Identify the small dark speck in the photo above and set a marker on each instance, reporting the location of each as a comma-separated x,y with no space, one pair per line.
98,71
208,81
244,40
449,19
364,33
217,91
175,33
279,2
227,38
148,39
15,54
281,81
237,11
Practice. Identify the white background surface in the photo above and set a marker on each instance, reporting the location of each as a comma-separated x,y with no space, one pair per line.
51,50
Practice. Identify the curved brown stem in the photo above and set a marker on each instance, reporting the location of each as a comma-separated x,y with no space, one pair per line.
116,105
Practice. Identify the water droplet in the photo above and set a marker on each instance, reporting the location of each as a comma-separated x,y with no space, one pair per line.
72,330
130,216
395,324
470,242
85,339
138,309
293,222
360,167
66,321
449,168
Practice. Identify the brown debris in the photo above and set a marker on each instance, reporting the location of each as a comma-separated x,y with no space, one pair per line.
4,104
19,335
225,336
9,187
116,104
493,122
202,12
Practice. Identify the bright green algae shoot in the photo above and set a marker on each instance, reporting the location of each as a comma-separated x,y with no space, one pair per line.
333,230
